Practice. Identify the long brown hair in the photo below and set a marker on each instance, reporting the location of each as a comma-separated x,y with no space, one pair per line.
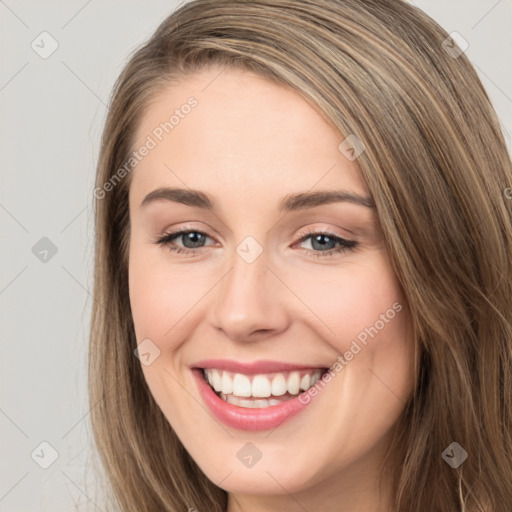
436,165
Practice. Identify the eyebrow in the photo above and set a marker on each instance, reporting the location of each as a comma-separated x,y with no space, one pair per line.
291,202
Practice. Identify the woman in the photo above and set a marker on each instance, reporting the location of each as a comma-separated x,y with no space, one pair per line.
302,270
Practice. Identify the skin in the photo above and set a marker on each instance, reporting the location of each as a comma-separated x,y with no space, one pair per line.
247,144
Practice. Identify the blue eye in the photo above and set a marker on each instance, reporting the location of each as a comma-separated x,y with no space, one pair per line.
196,238
193,240
318,239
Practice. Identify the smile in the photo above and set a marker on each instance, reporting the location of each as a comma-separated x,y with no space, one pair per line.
255,396
261,390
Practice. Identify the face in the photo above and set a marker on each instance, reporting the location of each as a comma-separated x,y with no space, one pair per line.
260,293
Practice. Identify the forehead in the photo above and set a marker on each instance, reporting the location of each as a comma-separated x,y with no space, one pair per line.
231,130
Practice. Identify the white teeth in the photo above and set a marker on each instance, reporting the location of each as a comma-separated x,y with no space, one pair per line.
294,383
261,386
217,385
279,385
259,404
237,385
305,383
252,404
241,385
315,378
227,384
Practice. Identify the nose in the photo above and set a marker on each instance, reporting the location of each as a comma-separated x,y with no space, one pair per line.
250,302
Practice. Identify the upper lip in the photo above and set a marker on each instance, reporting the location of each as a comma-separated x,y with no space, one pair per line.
254,367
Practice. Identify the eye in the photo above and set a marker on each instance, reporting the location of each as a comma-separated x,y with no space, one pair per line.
321,240
193,240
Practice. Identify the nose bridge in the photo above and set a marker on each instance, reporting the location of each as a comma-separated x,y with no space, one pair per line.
248,296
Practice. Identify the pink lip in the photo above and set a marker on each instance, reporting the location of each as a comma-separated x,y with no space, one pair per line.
254,367
243,418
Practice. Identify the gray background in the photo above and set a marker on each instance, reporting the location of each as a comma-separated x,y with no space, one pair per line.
53,111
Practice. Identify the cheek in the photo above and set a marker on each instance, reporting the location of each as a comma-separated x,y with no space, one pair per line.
160,296
348,302
160,299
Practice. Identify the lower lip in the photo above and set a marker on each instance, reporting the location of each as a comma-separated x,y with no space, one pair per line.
243,418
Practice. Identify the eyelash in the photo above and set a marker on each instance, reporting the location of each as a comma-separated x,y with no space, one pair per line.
346,245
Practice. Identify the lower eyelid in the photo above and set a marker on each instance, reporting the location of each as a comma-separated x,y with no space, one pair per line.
343,242
168,239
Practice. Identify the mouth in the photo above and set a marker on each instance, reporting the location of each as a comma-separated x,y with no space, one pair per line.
257,396
260,390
